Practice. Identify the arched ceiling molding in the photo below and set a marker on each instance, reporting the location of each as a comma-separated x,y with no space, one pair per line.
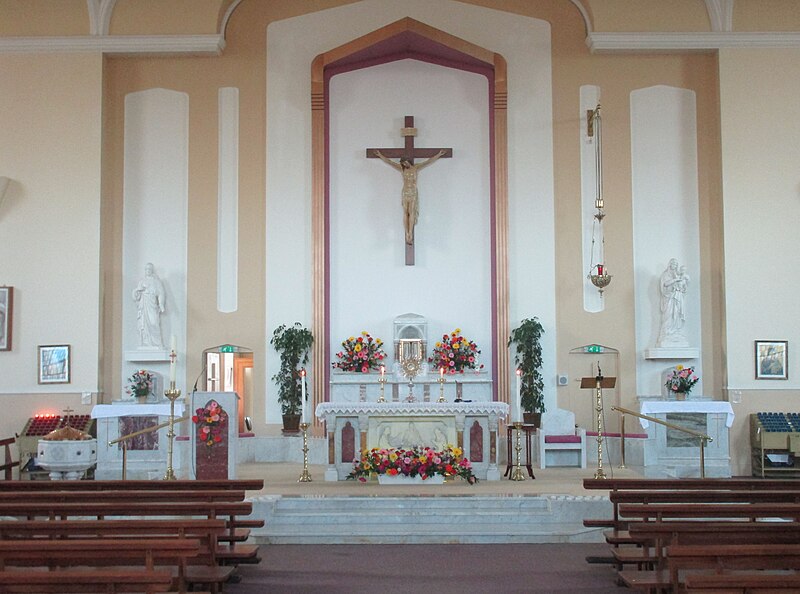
686,42
720,13
223,25
100,12
585,14
200,45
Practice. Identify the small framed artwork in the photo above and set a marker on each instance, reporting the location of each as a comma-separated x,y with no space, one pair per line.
6,317
54,364
772,360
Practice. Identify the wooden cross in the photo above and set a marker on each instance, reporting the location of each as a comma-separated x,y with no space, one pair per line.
408,153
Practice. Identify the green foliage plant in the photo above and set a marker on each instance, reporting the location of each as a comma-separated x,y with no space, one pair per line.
526,338
292,344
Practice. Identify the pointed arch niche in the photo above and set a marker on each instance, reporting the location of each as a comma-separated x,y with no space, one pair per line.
410,39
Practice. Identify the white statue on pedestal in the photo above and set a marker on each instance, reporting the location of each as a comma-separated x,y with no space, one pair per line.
151,298
673,285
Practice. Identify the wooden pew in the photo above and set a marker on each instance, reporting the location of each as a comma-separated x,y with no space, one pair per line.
134,485
9,465
135,555
755,582
63,581
239,528
201,569
664,534
232,553
726,559
728,511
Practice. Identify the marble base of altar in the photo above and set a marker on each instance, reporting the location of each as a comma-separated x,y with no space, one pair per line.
353,427
672,453
147,454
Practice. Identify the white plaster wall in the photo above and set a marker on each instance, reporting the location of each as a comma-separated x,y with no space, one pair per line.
665,220
50,220
450,283
761,189
523,42
155,217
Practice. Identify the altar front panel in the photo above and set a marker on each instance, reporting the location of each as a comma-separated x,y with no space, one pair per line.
146,455
352,427
672,453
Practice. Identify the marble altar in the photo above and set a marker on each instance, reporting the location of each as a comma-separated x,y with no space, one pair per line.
356,426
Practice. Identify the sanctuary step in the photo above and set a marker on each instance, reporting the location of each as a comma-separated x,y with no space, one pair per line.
427,519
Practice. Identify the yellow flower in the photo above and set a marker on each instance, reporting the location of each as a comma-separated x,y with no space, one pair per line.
680,368
423,459
456,345
357,348
457,452
458,330
363,333
393,456
351,339
438,344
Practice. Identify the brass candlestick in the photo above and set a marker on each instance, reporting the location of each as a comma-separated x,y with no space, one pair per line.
172,395
305,477
599,406
441,381
517,474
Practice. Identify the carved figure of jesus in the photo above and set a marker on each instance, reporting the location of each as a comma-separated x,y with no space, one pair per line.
410,196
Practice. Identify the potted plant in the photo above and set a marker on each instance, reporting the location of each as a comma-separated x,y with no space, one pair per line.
526,339
292,344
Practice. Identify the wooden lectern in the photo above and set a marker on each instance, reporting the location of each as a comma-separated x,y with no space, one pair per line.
597,384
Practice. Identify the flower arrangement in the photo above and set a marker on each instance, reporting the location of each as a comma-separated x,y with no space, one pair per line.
140,383
681,379
360,354
210,422
455,353
418,461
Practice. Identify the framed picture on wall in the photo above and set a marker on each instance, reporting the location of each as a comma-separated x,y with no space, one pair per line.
6,316
54,364
772,359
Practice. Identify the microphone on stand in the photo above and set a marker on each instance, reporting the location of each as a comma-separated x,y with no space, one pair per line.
202,371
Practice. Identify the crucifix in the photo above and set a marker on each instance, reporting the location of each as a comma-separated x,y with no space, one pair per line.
406,166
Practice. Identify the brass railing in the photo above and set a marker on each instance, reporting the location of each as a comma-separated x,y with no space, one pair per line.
124,440
701,436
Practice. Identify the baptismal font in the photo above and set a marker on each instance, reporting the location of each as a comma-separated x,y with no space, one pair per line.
410,362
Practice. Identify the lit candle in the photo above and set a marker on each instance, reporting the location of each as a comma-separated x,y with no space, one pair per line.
600,269
518,400
303,396
383,370
441,372
173,356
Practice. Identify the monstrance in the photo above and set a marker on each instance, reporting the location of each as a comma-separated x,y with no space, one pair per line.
410,362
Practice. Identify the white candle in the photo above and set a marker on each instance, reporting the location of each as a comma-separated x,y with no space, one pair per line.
441,372
518,400
173,356
303,396
383,370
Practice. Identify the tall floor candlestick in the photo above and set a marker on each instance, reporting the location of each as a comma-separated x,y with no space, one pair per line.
599,409
305,477
172,395
516,473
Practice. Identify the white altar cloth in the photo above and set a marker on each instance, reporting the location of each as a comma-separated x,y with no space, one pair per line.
500,409
653,407
103,411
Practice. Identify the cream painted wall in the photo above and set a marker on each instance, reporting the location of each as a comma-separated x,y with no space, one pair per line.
50,225
761,184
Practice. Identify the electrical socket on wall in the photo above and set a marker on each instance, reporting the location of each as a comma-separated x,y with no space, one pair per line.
86,398
563,380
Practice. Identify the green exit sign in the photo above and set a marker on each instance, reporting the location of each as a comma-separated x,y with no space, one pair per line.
593,348
226,348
